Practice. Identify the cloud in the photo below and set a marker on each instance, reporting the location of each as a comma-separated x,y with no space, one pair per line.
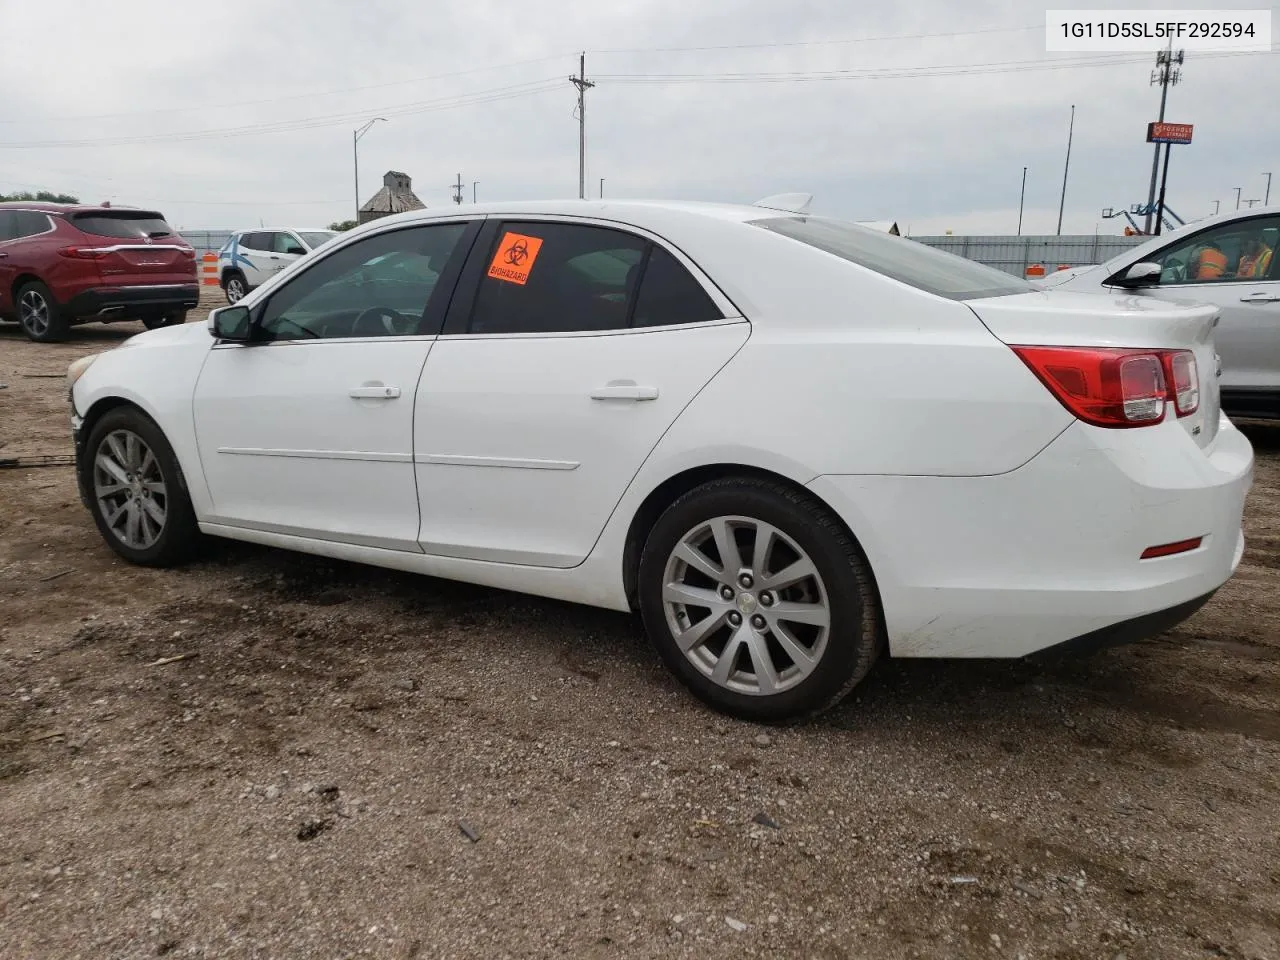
937,149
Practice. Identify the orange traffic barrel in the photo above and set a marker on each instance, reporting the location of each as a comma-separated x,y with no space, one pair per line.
1035,270
209,269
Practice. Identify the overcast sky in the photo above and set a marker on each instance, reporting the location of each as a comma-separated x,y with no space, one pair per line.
480,88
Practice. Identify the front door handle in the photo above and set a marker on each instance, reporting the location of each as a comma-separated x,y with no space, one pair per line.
378,391
3,255
624,390
1260,297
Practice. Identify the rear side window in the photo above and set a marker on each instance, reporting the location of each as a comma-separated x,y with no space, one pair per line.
669,294
123,224
255,241
934,271
17,224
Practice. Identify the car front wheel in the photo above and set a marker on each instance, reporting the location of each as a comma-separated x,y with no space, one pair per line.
235,288
759,600
137,494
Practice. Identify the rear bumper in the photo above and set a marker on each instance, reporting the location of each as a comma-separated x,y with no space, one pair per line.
1004,566
133,300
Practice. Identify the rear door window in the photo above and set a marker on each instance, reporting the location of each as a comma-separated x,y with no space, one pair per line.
256,241
123,224
557,278
899,258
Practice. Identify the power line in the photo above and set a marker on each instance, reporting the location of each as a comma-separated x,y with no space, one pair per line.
530,88
888,73
203,107
816,43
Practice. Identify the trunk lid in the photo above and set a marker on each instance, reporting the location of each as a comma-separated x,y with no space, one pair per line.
1065,319
135,247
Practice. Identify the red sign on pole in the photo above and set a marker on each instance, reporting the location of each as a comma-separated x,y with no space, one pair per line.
1169,132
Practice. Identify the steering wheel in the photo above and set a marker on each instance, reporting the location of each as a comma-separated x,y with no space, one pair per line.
384,322
1177,271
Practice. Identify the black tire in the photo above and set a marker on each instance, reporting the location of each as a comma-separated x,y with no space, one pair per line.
855,635
165,320
232,281
39,315
179,535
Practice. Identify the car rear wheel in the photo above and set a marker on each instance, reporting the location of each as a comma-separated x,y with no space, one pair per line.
39,314
759,600
137,494
165,320
235,287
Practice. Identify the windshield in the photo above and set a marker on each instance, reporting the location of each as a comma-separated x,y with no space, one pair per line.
315,238
934,271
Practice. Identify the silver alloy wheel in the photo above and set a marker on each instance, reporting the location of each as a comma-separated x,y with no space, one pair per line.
33,312
130,489
746,605
235,290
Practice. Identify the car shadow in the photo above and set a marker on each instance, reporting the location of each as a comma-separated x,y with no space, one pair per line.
1263,434
82,333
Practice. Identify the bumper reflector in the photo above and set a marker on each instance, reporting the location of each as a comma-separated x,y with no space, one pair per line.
1169,549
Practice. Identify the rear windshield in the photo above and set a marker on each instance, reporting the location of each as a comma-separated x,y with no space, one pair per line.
900,258
123,224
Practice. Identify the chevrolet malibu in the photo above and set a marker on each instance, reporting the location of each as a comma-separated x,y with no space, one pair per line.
791,443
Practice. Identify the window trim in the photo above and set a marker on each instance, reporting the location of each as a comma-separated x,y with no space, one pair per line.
468,288
449,276
1115,276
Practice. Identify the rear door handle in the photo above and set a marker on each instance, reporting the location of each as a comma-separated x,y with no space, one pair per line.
624,390
1260,297
374,392
3,255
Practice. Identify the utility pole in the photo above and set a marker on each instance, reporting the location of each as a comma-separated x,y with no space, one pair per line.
1166,75
457,190
583,85
1022,199
1252,202
1237,190
1063,202
473,190
1267,199
1164,182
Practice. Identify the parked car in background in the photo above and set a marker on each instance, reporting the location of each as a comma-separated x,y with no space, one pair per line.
790,443
251,257
1228,261
62,265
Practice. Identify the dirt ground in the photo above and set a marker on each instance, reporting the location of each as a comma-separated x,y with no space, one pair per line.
303,784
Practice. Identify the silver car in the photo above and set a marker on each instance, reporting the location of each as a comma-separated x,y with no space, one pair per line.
1230,262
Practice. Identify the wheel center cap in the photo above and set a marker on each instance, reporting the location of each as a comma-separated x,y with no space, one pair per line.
746,603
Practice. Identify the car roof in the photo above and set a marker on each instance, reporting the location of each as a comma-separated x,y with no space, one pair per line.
43,206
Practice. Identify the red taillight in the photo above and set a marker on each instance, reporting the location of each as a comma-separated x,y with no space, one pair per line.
1116,387
1169,549
84,253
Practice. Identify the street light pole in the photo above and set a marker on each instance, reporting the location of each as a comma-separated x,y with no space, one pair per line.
1267,199
355,156
1216,204
1022,199
602,188
1237,190
473,190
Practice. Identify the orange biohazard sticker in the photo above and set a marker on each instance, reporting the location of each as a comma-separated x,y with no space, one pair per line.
515,258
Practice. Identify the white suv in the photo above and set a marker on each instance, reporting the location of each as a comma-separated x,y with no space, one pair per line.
250,257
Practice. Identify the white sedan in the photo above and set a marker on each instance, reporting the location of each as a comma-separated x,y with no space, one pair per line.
791,443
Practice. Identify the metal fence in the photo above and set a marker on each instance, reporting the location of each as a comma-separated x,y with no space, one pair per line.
1014,254
205,241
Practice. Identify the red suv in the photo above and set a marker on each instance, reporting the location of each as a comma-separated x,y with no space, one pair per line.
63,264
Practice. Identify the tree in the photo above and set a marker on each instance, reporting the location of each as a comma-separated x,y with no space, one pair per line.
342,225
42,196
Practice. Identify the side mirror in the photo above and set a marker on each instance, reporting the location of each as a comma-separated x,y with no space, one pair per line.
296,252
230,323
1143,274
